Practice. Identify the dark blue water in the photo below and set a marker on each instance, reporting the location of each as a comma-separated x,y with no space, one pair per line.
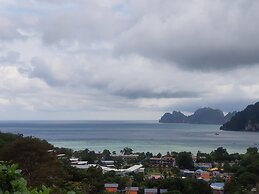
139,135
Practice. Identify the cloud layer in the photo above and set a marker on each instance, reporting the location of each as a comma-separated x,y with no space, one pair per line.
126,59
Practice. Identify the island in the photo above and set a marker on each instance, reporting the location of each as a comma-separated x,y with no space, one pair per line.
246,120
201,116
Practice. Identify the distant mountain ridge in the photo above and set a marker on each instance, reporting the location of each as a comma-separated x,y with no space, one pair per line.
201,116
246,120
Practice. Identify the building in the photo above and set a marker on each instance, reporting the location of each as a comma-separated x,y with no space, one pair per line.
187,173
218,188
131,190
107,162
61,156
203,166
111,187
255,190
156,177
74,160
163,191
150,191
228,177
216,173
130,156
168,161
205,176
84,166
164,161
154,162
135,169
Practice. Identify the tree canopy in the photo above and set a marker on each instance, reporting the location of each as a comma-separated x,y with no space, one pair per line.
38,165
184,160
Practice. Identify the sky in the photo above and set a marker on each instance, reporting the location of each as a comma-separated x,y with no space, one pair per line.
126,59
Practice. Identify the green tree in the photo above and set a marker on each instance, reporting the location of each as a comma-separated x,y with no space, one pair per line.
11,181
252,150
127,151
68,152
138,179
220,155
6,138
248,178
94,180
184,160
159,155
196,187
106,154
203,157
149,155
173,192
227,167
85,181
37,164
122,181
86,155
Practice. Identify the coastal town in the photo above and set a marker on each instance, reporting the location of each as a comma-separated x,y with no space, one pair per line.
65,171
160,167
204,172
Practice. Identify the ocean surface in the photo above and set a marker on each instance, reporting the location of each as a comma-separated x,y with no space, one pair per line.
138,135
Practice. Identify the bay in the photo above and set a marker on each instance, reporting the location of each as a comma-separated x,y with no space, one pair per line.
139,135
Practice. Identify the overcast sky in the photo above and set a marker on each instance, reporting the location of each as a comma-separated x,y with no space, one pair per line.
126,59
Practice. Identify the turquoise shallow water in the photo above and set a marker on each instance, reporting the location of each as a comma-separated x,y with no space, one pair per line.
139,135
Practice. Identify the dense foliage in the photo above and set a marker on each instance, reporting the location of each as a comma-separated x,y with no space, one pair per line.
247,172
11,181
184,160
33,158
40,165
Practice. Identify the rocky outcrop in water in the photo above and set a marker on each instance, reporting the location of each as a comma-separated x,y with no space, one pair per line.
200,116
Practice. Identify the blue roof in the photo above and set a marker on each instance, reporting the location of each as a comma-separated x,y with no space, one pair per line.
199,171
217,186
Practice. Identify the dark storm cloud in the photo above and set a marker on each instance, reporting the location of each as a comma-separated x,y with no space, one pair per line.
206,35
85,22
154,94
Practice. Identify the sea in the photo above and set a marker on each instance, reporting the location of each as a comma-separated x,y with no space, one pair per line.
141,136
